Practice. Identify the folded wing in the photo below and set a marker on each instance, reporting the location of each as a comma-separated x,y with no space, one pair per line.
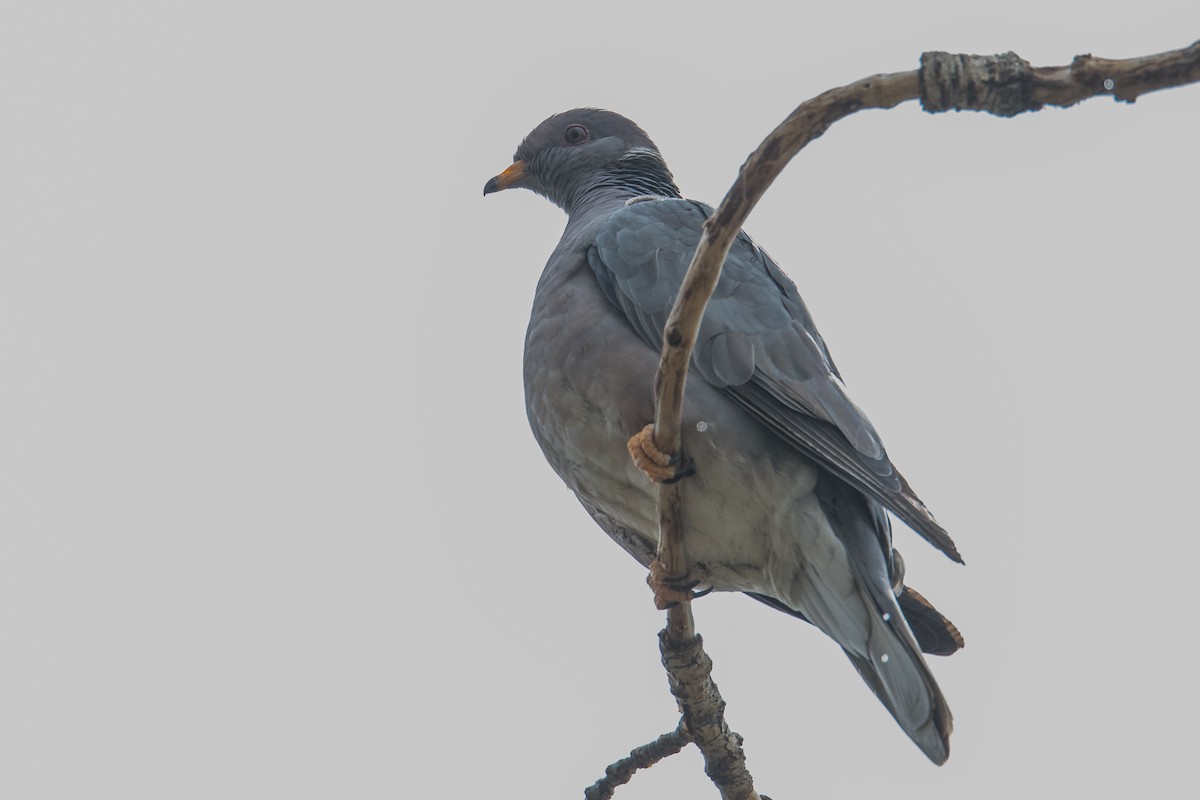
757,342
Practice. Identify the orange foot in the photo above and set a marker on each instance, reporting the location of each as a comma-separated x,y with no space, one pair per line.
659,467
668,592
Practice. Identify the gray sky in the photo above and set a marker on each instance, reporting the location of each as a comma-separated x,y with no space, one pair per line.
271,520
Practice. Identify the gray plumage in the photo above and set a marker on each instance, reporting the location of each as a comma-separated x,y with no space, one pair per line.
791,479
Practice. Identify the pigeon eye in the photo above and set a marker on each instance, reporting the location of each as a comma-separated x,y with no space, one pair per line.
575,134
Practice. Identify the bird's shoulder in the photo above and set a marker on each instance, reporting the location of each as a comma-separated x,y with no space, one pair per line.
640,254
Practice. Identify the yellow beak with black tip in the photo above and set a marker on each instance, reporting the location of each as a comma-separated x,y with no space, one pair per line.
505,179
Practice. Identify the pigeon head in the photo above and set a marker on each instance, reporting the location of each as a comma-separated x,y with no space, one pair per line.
581,154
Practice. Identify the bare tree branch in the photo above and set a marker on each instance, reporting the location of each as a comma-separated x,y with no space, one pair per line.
1004,85
620,772
690,671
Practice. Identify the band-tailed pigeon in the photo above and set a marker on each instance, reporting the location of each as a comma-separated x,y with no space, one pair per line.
791,482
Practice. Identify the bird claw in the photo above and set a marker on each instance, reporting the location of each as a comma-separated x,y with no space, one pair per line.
658,466
670,591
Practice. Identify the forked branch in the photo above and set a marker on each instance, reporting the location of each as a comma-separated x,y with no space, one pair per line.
1004,85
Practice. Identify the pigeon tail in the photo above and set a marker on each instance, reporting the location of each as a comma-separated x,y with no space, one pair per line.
899,677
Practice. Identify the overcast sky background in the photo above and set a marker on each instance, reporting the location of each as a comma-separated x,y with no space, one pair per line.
272,523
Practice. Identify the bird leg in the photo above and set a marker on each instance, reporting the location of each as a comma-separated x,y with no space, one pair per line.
658,466
670,591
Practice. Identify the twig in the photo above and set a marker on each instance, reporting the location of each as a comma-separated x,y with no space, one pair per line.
620,772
